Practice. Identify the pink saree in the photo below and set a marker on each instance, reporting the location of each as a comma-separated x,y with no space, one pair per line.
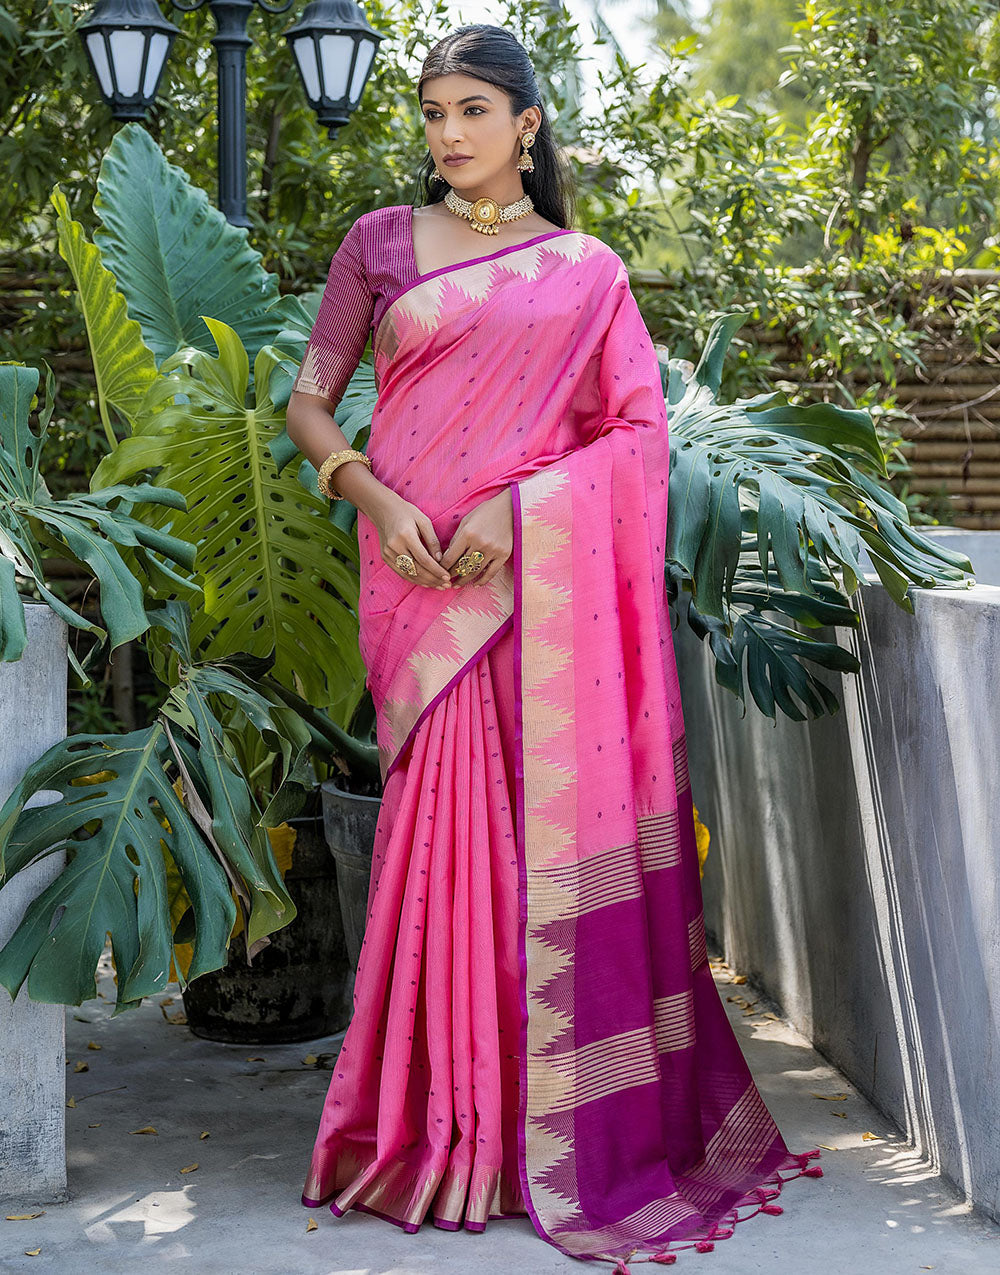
536,1027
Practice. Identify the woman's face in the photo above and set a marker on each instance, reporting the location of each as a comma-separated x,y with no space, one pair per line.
472,117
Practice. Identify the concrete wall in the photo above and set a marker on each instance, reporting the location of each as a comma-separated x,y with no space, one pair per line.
32,1049
854,866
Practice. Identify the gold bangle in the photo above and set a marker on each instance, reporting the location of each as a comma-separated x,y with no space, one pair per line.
330,464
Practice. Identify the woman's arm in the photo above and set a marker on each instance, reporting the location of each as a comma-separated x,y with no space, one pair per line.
312,428
331,357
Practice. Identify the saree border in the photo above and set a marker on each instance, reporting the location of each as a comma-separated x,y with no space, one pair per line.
522,870
429,707
459,265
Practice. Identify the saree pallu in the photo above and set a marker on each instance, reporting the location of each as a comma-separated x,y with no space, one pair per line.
536,1026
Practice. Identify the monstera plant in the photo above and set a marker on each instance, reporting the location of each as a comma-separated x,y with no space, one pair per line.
771,504
255,638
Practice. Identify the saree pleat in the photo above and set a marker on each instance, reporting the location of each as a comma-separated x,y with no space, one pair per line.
421,1118
536,1025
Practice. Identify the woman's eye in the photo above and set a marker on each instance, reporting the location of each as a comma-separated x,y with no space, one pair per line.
428,115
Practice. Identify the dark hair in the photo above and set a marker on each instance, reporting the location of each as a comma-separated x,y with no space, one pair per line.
496,55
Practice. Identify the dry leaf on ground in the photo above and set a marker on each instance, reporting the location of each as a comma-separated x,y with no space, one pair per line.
190,1168
32,1252
312,1225
310,1060
830,1097
82,1066
739,978
24,1217
94,1126
871,1137
841,1114
71,1101
145,1129
92,1044
204,1135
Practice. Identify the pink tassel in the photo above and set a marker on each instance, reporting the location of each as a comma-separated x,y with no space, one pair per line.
704,1246
771,1208
814,1171
664,1259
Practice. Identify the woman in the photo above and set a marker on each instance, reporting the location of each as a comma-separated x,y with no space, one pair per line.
536,1028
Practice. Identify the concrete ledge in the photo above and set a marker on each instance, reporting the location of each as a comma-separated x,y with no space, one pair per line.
854,867
32,1050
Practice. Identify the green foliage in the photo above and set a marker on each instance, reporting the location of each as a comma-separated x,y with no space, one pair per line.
770,506
265,565
96,529
905,128
175,257
123,364
122,825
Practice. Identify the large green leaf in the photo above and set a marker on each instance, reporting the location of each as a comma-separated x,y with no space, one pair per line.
801,478
174,255
757,647
264,542
771,507
119,817
115,793
97,529
124,366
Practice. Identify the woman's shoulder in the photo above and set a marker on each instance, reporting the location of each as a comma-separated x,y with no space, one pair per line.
379,216
605,261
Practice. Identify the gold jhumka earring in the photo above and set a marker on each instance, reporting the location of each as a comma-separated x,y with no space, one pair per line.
525,163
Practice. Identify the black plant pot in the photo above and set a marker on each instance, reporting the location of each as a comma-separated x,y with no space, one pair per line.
349,819
300,986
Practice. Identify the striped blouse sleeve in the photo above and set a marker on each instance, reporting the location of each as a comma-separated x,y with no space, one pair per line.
342,326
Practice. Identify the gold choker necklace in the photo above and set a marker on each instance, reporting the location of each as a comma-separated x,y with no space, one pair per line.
486,214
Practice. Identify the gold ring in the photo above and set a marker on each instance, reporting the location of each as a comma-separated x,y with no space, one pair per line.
405,563
470,562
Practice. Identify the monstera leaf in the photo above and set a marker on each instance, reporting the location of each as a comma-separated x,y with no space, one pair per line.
802,478
175,257
124,366
96,529
771,506
270,581
122,825
781,662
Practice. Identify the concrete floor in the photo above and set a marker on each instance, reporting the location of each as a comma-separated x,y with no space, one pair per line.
131,1209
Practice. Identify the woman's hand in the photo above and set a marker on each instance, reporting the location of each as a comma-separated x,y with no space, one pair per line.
403,528
489,527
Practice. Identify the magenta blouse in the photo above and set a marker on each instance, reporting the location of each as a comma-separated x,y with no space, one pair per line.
375,262
373,265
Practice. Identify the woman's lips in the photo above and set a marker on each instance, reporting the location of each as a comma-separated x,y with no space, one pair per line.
464,160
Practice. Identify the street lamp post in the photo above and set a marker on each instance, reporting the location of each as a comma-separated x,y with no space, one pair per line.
127,43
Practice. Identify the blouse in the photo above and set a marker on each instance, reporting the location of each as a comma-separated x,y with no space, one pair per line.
375,262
